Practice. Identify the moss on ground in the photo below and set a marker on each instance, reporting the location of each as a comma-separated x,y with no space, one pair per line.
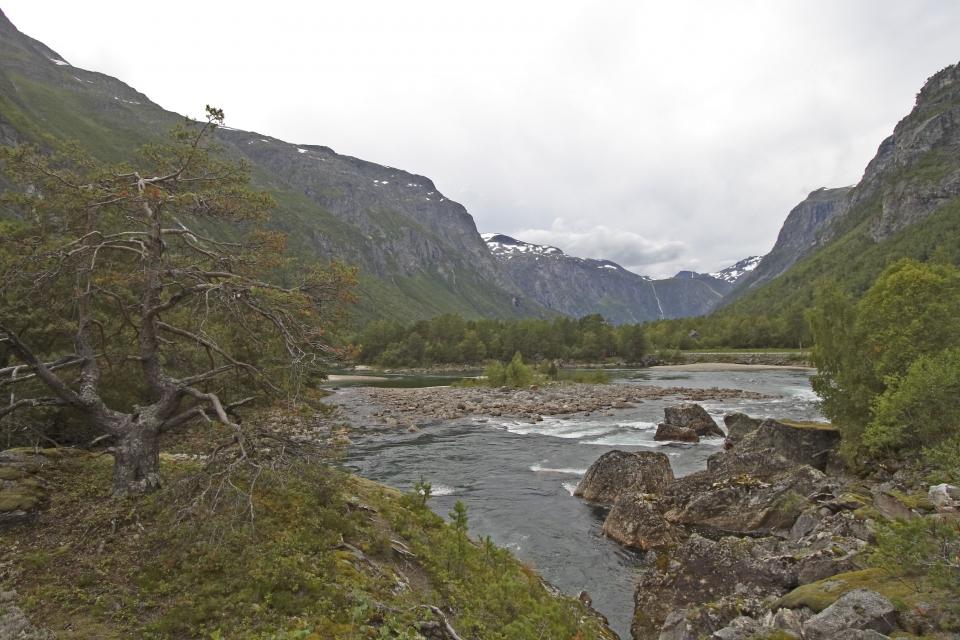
326,556
905,593
809,424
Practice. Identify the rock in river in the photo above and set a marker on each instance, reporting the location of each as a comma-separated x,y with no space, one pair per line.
694,417
637,522
675,433
617,473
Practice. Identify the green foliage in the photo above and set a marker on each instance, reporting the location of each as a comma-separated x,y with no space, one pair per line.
450,339
117,269
516,374
422,491
888,365
920,408
943,459
310,566
926,549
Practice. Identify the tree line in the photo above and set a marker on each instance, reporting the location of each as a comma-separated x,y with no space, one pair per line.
451,339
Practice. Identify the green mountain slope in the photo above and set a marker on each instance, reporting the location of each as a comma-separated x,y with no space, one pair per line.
419,254
906,205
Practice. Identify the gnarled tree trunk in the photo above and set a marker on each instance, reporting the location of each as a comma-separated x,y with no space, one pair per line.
136,456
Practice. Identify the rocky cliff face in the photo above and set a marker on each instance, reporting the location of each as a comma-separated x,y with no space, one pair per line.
580,286
914,174
798,236
917,169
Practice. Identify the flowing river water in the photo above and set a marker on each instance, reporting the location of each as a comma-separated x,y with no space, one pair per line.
517,477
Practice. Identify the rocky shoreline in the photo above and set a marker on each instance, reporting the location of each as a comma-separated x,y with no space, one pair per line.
768,542
408,408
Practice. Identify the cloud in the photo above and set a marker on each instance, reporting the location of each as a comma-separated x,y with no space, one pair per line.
685,129
630,250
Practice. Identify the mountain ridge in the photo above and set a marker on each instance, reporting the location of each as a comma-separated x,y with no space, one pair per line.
906,205
577,286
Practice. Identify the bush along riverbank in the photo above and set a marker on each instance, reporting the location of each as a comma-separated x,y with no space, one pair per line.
775,540
268,551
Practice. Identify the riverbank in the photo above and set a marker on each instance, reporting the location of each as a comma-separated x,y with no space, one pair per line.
411,407
731,366
285,552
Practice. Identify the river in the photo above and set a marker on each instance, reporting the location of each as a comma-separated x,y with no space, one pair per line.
516,477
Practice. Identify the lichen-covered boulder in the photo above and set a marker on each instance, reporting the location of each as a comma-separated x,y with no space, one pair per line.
701,570
21,490
636,521
616,473
694,417
944,497
738,425
860,609
801,443
746,503
672,432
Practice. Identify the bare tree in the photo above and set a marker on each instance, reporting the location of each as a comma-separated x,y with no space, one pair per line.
154,295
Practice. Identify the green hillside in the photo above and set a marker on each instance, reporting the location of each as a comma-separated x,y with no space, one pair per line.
417,257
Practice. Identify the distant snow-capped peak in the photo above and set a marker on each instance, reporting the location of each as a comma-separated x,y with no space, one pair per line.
500,244
735,272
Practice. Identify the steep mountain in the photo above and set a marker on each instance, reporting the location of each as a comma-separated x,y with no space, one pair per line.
419,253
737,272
906,205
580,286
798,236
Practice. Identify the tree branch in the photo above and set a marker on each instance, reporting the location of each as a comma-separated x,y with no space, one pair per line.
51,380
31,402
197,411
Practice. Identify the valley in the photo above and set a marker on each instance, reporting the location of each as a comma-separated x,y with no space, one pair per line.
266,390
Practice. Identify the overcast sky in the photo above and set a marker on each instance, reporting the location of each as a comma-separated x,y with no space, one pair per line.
661,135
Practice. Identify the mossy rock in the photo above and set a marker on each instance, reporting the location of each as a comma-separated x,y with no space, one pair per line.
823,593
917,501
809,424
775,634
868,513
18,500
11,473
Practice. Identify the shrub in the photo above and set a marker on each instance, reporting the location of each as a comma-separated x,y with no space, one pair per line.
921,408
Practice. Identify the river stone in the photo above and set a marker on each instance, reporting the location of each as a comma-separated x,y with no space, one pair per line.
636,522
616,473
694,417
738,425
860,609
675,433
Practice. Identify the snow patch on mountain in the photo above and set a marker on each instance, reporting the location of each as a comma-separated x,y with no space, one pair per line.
504,245
735,272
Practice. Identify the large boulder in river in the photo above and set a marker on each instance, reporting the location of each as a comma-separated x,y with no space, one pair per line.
808,443
745,503
671,432
738,425
636,521
694,417
616,473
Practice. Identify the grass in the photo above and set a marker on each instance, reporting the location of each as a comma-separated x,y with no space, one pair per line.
328,556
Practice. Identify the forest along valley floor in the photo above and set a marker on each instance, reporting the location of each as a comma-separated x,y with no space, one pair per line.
514,457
